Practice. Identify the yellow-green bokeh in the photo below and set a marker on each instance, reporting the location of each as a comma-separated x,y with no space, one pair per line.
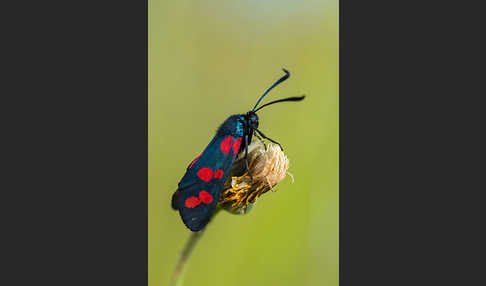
211,59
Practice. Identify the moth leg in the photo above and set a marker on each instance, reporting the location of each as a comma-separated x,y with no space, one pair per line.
246,157
271,140
261,140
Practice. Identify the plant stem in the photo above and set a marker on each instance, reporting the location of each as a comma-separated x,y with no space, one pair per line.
186,253
177,277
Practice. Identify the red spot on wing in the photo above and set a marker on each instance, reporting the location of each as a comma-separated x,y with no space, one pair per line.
218,174
205,174
236,146
226,144
194,161
192,202
205,197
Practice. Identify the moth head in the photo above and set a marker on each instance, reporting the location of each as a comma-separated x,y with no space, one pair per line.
252,119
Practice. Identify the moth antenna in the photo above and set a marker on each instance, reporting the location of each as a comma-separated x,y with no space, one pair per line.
286,76
295,98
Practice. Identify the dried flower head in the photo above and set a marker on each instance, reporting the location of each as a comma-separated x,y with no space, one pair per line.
267,166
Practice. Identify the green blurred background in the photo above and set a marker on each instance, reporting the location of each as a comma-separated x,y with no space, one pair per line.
213,59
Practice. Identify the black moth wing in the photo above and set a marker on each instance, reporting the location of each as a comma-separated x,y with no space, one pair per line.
199,190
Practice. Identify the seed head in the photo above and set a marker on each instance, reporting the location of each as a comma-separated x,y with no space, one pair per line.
267,166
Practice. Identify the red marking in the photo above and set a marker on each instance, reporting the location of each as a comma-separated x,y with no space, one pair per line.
194,161
226,144
205,197
192,202
205,174
236,146
218,174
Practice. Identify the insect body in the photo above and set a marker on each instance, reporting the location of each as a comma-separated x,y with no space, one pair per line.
198,191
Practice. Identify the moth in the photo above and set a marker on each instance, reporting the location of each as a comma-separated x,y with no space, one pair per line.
199,189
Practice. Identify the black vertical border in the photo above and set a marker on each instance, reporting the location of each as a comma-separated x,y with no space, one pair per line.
379,191
75,108
410,163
